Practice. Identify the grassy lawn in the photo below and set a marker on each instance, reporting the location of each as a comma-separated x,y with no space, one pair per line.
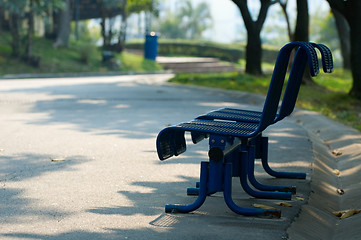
79,57
329,97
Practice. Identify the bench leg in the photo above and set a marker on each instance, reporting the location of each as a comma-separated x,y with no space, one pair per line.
214,181
264,157
179,208
227,193
245,157
252,179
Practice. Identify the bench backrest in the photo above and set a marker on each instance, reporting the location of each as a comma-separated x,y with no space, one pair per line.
307,54
296,76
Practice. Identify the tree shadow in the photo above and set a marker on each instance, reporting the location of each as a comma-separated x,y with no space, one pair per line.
134,110
20,168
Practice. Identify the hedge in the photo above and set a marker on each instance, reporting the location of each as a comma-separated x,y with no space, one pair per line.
203,49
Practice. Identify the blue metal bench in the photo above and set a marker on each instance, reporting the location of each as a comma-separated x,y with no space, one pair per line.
287,107
233,142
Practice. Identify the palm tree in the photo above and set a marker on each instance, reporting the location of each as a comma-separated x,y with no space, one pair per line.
194,20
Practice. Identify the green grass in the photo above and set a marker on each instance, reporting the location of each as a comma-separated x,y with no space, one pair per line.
135,63
328,97
80,56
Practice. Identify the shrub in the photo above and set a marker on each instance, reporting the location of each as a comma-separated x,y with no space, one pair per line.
226,52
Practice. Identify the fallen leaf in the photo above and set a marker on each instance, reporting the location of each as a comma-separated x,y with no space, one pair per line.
340,191
346,213
350,213
262,206
338,213
336,152
58,159
336,171
300,198
284,204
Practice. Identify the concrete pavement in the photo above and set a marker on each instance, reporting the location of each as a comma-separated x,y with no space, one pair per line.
78,161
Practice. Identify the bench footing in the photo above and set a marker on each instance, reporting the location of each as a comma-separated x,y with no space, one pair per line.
227,193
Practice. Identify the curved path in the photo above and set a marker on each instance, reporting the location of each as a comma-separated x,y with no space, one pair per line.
78,161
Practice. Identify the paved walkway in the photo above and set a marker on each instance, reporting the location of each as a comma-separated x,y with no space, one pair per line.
78,161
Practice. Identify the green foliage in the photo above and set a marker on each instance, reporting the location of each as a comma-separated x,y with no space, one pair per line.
232,81
189,22
134,63
39,6
80,56
226,52
137,6
86,34
14,6
169,27
325,30
339,81
329,98
132,6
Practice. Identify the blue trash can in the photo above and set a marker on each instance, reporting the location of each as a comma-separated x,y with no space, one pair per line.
151,46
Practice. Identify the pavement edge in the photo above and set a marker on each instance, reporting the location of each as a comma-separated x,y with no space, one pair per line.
334,181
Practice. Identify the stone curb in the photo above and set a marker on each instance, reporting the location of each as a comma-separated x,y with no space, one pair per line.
337,164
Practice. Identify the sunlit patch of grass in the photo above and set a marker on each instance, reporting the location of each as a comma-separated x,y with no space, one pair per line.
340,80
79,56
135,63
232,81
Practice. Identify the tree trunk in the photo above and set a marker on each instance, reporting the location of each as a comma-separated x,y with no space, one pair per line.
302,22
102,24
52,25
104,16
355,34
14,23
284,10
253,54
343,30
4,23
123,29
254,44
62,38
29,43
351,10
302,34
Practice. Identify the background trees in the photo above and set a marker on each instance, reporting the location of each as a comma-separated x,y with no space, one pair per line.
114,37
20,10
351,10
254,27
189,22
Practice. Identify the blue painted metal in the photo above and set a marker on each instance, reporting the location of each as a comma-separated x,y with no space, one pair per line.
270,171
151,46
252,179
180,208
244,157
288,103
234,146
227,194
